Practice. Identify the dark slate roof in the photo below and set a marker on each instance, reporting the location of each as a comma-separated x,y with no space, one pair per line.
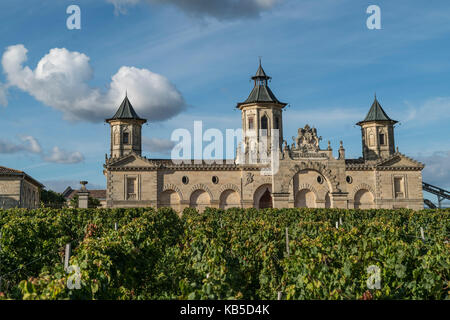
260,74
261,91
376,113
125,111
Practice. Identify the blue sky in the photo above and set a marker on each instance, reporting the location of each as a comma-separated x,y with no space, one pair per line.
184,61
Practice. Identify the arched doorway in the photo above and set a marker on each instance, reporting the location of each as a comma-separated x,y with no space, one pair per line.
364,199
199,200
229,199
266,200
305,198
262,198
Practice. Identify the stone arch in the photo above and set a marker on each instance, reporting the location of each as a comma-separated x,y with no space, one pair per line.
230,186
312,165
309,187
199,199
364,199
229,198
169,198
171,186
305,198
360,187
259,192
202,187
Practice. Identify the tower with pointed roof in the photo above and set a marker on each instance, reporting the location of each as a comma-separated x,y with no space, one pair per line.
261,112
377,131
126,130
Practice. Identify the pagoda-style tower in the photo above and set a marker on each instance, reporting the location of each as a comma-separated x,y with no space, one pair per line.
377,131
261,112
126,130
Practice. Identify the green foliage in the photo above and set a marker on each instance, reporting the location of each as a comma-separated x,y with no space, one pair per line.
52,199
232,254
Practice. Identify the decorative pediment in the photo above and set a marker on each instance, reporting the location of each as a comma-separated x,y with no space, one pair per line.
398,160
306,140
130,160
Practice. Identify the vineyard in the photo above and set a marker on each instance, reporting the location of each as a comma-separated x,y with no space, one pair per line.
232,254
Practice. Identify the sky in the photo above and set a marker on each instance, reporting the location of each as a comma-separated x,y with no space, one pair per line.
182,61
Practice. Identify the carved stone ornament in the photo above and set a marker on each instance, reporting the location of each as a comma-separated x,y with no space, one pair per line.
250,178
307,140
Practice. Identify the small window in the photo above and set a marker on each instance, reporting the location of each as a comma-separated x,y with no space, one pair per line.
399,187
126,138
251,124
319,179
131,189
185,180
382,141
277,123
349,179
215,179
264,123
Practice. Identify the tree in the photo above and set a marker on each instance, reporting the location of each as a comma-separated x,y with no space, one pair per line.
51,198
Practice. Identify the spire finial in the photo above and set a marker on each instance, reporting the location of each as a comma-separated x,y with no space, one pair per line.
126,93
259,60
375,95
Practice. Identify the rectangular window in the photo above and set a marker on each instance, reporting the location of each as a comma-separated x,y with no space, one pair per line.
126,138
131,189
251,125
382,142
399,187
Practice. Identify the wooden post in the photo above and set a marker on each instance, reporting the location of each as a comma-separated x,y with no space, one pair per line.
287,242
279,295
115,226
340,221
337,225
67,256
422,235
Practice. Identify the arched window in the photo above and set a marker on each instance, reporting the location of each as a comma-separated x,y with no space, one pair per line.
277,123
126,138
264,123
382,141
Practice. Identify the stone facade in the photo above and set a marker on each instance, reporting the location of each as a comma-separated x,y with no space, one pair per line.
307,176
17,189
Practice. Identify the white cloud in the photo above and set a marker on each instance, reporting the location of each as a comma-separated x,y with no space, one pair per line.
8,147
32,144
434,109
61,156
220,9
437,168
29,144
157,145
60,80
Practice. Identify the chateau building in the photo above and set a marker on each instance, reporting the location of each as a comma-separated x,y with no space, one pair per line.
305,175
17,189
